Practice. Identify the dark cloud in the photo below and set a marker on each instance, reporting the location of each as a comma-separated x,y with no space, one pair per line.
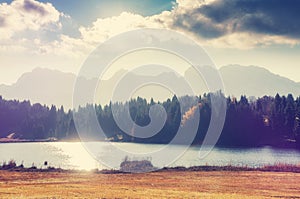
274,17
34,7
202,27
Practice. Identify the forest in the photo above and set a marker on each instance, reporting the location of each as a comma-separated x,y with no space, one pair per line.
266,121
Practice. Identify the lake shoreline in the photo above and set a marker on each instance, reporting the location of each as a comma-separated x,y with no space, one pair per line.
287,145
64,155
12,167
7,140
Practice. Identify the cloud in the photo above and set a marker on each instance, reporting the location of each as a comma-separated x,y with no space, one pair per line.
186,18
2,21
238,23
199,25
102,29
23,15
243,24
32,6
99,31
274,17
33,27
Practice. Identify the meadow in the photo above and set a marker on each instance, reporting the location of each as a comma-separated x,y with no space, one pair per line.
162,184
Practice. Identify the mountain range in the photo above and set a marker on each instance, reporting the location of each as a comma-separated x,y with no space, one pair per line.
48,86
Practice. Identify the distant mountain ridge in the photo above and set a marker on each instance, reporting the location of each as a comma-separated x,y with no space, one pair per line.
42,85
256,81
48,86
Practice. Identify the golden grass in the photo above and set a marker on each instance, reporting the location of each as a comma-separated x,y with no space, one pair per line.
167,184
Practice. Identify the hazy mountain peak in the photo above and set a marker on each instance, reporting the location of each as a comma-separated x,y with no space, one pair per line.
49,86
256,81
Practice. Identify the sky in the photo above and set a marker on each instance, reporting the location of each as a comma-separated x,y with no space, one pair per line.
60,34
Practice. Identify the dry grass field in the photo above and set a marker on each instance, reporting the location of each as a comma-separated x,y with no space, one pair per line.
166,184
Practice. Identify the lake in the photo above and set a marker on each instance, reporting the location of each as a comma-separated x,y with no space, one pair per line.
73,155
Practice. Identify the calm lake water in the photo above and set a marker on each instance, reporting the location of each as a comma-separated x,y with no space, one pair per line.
73,155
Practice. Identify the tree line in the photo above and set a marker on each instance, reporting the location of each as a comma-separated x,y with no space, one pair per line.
272,121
